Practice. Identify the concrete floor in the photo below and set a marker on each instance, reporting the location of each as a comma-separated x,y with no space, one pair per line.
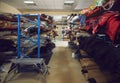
64,69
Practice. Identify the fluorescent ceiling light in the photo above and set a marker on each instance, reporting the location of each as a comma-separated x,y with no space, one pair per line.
28,2
70,2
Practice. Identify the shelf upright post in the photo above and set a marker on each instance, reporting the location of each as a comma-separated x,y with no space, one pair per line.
38,35
18,40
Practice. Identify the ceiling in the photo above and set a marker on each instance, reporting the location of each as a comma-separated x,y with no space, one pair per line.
50,5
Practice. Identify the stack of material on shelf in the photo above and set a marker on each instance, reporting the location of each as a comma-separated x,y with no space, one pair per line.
8,22
7,50
107,24
8,25
91,70
103,54
29,31
45,52
46,47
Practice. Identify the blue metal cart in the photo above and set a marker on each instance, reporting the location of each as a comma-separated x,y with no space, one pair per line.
35,64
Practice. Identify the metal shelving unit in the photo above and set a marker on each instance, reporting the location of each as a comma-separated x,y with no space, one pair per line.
36,64
20,34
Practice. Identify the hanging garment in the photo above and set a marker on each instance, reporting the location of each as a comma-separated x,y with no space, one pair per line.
113,26
82,19
109,23
74,19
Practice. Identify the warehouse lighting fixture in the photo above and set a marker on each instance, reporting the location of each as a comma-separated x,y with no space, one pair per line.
28,2
68,2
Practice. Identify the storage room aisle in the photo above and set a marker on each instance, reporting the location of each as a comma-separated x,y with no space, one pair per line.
64,69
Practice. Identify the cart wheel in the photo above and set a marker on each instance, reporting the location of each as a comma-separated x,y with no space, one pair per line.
42,78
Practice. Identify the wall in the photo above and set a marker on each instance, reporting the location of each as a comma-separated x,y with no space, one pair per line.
47,12
5,8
